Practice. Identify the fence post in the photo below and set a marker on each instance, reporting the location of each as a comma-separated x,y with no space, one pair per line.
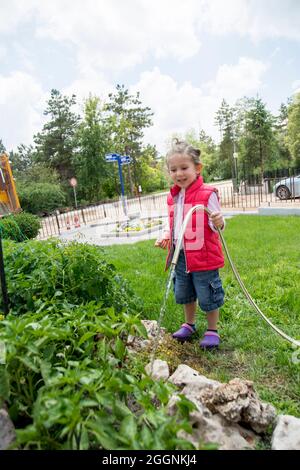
57,221
83,218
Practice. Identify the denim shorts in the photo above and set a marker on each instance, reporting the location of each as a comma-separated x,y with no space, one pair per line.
206,286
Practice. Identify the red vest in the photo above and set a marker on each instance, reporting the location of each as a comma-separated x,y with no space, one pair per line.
202,246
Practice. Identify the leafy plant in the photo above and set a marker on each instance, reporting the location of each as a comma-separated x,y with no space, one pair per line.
20,227
41,198
69,381
39,272
64,390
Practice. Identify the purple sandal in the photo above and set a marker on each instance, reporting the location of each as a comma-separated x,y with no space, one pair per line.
210,340
184,333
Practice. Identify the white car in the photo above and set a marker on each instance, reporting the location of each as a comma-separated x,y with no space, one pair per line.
288,187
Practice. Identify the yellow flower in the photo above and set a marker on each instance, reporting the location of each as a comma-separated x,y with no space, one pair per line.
2,317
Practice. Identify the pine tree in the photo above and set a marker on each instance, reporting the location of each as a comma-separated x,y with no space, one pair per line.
2,147
281,134
260,150
55,144
224,119
22,159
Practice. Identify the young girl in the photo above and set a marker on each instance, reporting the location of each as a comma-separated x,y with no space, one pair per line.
197,270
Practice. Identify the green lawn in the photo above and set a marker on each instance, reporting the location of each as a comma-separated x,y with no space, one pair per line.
266,251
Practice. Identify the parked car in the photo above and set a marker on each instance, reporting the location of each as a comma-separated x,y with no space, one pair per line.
288,187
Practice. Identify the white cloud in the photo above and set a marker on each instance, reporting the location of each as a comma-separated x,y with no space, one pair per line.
296,87
256,18
115,35
118,34
234,81
176,108
3,52
179,108
22,101
16,12
86,84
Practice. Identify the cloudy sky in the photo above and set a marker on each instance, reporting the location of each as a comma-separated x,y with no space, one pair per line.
183,57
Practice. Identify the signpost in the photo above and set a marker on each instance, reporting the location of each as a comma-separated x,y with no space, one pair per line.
122,160
73,183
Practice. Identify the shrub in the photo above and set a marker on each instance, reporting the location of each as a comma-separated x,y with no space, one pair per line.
19,227
50,271
64,390
68,380
41,198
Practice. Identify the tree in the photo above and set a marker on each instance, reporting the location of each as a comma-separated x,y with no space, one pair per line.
126,120
2,147
293,130
209,157
225,120
22,159
259,150
208,152
55,144
92,170
281,123
151,172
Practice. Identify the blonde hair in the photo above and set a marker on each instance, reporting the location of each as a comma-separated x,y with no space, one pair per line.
183,148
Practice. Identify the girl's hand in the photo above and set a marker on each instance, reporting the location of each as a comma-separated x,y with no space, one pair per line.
217,219
163,243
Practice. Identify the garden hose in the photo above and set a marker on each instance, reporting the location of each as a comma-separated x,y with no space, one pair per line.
235,272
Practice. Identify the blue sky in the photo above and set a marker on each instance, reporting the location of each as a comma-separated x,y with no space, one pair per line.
183,58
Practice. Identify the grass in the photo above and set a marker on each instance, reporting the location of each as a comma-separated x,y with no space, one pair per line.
266,252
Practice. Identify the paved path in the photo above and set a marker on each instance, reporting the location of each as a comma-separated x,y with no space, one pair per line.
92,234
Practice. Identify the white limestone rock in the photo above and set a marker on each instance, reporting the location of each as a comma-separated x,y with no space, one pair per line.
7,430
160,370
237,402
136,343
214,429
286,435
186,376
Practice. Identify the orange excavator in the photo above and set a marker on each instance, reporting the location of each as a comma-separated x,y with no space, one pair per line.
9,201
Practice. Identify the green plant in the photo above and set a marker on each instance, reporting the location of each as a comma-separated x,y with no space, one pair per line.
41,198
51,271
20,226
70,383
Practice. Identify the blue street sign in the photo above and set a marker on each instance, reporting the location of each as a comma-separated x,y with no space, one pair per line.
112,157
121,159
125,159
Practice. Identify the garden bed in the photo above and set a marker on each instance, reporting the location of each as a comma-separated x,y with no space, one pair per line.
134,227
